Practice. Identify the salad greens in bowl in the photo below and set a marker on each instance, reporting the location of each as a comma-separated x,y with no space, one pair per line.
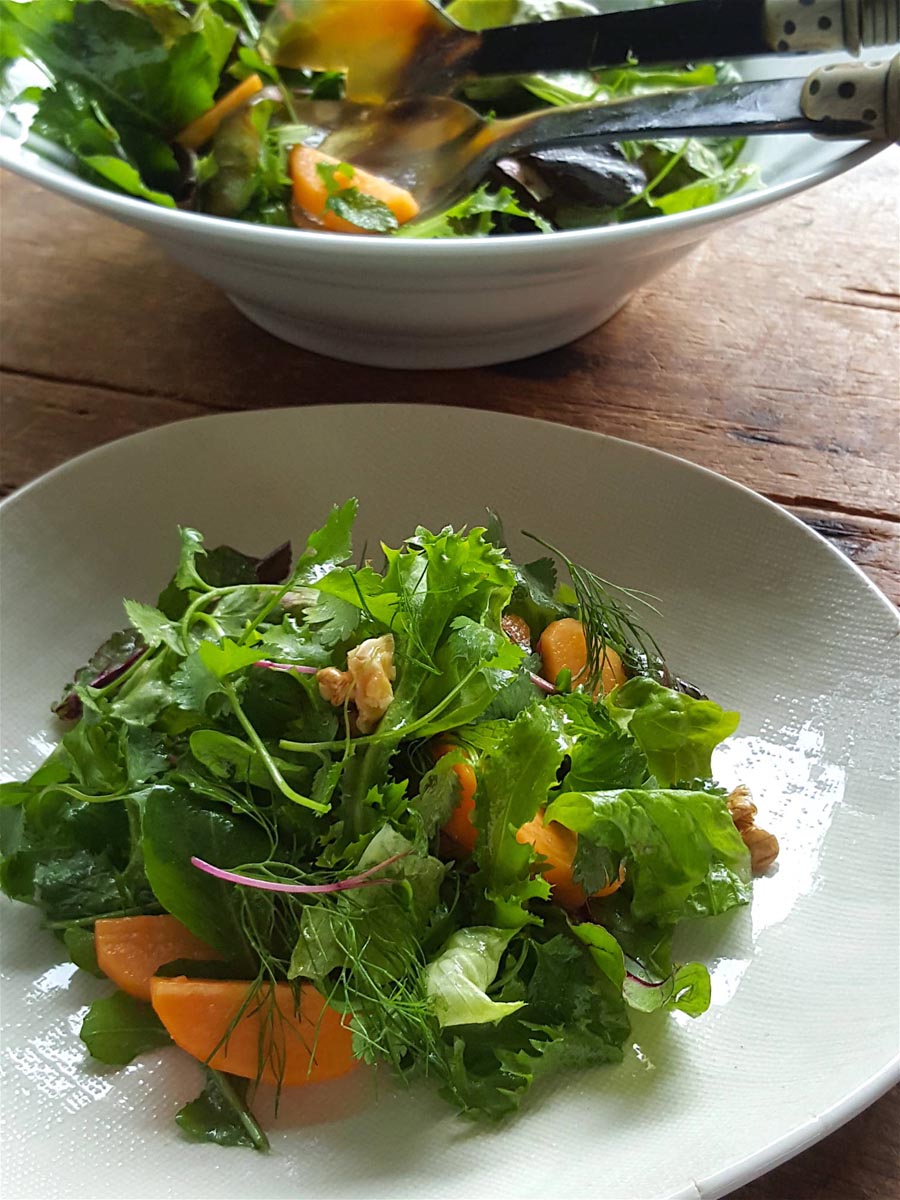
443,814
169,117
178,104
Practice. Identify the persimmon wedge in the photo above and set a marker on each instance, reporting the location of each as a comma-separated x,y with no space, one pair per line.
558,845
205,127
130,950
459,833
563,647
297,1045
311,191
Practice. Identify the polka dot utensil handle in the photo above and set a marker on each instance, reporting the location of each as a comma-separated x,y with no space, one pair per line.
822,26
866,93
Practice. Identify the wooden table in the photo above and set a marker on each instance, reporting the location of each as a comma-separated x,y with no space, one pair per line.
771,356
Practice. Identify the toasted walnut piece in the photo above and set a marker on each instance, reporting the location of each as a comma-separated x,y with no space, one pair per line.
367,680
371,664
334,685
763,846
516,629
742,809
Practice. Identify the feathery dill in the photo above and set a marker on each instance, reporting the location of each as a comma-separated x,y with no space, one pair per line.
607,612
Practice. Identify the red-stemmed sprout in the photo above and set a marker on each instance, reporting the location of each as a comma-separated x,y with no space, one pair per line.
363,879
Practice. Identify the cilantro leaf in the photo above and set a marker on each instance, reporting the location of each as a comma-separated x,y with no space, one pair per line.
346,200
153,626
362,210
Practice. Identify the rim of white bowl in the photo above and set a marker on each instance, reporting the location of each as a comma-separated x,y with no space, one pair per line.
166,220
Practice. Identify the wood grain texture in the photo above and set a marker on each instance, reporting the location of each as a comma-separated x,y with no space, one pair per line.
771,355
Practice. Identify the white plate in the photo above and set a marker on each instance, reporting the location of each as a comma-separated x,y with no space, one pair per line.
803,1031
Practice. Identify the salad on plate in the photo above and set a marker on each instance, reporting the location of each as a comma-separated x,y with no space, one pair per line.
181,104
442,813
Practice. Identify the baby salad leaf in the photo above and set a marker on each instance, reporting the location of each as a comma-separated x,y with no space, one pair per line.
80,944
175,827
106,664
686,989
677,733
67,116
458,978
118,1029
121,59
220,1114
683,855
481,213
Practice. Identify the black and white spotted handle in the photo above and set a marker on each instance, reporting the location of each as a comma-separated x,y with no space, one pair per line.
822,26
867,93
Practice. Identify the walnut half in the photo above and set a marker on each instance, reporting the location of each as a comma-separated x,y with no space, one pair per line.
367,680
763,846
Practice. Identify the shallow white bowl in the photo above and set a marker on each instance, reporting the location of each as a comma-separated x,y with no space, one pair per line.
804,1029
394,302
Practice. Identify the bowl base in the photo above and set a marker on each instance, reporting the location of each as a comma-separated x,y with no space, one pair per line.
372,348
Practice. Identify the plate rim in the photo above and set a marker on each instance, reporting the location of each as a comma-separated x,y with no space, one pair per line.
821,1124
246,414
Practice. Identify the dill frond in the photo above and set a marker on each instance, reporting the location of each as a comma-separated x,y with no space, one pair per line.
607,612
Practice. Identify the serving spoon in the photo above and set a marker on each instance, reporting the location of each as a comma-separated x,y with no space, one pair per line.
398,48
440,149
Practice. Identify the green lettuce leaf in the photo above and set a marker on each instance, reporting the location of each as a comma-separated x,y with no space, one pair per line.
601,756
572,1017
478,215
515,775
677,733
458,978
683,855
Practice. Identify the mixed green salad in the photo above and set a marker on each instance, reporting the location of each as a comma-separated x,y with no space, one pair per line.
379,787
141,97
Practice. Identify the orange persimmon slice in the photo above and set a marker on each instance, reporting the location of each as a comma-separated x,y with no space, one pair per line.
563,647
306,1044
311,192
130,950
204,128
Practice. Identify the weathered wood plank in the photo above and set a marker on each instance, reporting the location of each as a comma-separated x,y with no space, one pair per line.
46,423
741,359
